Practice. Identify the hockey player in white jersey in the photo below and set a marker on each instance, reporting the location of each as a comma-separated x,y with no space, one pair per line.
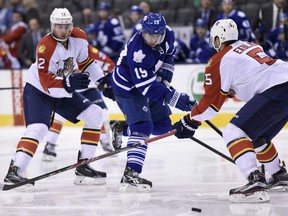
63,65
262,82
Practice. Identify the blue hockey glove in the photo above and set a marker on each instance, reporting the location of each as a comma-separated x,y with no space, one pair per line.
166,72
185,128
104,85
76,81
104,82
181,101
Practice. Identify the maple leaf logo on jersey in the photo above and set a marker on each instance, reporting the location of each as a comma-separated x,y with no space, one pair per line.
138,56
41,49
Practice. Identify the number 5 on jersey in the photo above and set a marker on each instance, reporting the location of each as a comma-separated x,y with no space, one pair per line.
208,79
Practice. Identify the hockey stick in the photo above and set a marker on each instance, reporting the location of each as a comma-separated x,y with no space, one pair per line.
5,187
207,121
212,126
9,88
212,149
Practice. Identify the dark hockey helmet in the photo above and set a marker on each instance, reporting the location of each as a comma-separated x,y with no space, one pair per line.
154,23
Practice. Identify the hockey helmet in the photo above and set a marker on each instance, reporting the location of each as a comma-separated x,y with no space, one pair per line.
61,16
225,30
153,28
154,23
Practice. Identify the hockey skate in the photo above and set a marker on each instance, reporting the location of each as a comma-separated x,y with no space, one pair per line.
279,180
132,179
117,133
86,175
13,176
254,191
49,152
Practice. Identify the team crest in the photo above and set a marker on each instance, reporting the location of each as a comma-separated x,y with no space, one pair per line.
138,56
67,67
41,49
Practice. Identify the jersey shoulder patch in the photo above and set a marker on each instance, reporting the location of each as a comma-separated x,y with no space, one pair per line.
46,45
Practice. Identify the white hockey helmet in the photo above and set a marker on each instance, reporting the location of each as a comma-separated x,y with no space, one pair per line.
225,30
61,16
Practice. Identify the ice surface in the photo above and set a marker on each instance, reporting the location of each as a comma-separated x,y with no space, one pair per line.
184,175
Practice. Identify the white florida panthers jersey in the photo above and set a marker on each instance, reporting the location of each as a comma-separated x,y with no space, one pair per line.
242,67
53,61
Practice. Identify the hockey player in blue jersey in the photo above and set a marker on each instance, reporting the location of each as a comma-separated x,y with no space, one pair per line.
109,34
136,15
146,59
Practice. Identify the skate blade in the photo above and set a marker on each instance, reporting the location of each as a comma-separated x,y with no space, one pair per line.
125,187
24,188
259,196
82,180
47,158
279,188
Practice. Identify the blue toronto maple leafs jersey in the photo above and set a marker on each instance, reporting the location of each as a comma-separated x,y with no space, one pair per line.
137,66
110,36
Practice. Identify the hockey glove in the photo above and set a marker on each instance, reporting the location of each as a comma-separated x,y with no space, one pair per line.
185,128
76,81
104,85
166,72
180,100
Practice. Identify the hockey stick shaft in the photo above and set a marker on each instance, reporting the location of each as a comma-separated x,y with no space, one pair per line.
5,187
9,88
212,149
207,121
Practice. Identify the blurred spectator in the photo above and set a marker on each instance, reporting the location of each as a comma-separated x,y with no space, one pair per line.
146,7
31,10
136,15
270,13
181,52
269,43
86,14
281,45
270,16
109,34
5,22
240,18
29,42
17,5
200,49
206,12
13,36
283,24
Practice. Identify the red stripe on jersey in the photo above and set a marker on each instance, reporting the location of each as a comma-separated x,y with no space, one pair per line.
268,154
90,136
45,50
239,147
27,145
56,126
83,65
214,97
